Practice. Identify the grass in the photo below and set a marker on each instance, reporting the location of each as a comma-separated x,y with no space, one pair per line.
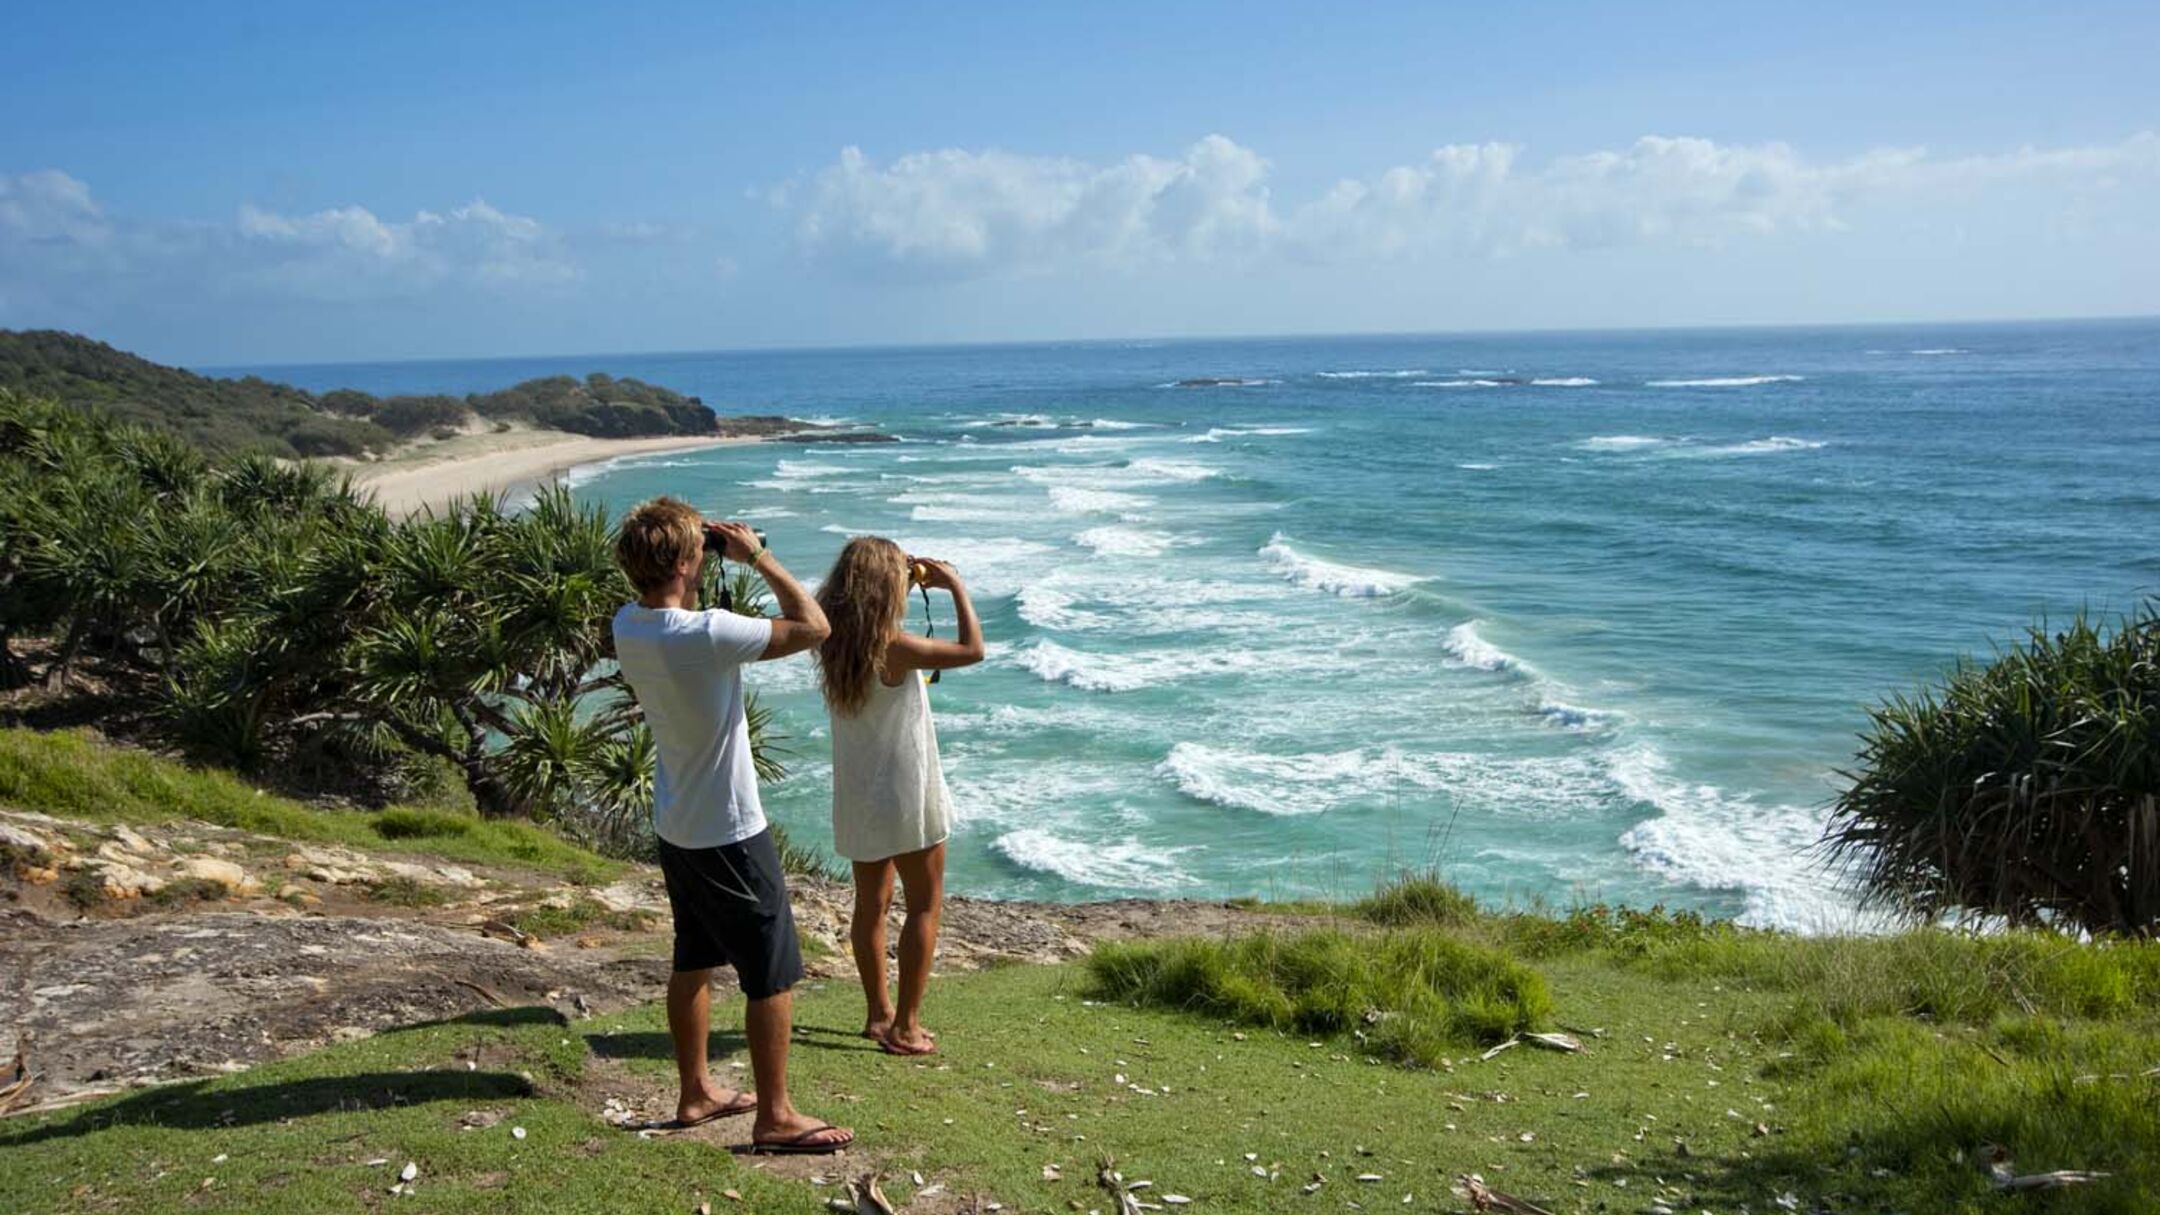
1411,995
545,921
75,774
1686,1100
405,892
1416,899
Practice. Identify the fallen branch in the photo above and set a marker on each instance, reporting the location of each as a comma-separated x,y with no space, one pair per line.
1485,1198
485,994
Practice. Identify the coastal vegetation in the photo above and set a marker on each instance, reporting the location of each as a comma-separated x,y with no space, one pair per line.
229,416
2026,789
267,618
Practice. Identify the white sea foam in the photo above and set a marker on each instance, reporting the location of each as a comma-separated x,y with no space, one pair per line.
1411,374
1466,648
1133,474
1119,864
1478,467
1376,777
1573,717
1076,500
1758,447
1707,837
1732,381
1133,670
1118,424
1571,381
1621,442
764,512
1348,581
1112,540
1217,434
1939,350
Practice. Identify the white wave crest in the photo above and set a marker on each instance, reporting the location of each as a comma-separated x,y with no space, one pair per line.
1374,777
1707,837
1131,671
1123,864
1078,500
1465,647
1411,374
1621,442
1348,581
1217,434
1111,540
1477,467
1762,447
1730,381
1572,381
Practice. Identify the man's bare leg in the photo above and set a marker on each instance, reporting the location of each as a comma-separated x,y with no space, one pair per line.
768,1023
689,1019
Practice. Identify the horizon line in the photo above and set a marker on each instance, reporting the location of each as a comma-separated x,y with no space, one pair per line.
815,347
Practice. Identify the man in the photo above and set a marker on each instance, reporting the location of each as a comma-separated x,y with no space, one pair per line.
724,883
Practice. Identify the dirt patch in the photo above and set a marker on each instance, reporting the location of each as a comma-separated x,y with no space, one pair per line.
280,948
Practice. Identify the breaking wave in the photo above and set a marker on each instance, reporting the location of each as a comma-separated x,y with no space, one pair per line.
1348,581
1732,381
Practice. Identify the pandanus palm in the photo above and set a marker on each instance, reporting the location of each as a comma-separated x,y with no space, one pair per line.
2026,789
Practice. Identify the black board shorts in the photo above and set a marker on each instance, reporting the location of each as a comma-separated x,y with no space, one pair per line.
731,909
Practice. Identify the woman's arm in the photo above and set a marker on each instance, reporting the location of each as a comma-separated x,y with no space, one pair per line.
907,652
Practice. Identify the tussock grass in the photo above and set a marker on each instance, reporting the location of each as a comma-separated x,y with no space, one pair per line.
1416,899
76,774
1409,995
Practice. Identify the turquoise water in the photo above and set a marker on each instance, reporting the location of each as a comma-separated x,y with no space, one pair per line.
1568,616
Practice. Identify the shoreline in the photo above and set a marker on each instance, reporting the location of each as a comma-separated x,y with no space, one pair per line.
406,485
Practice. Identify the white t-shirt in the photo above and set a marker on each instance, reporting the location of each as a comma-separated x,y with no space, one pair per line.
686,669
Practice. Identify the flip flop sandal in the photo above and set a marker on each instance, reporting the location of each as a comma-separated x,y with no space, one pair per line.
747,1105
905,1051
801,1145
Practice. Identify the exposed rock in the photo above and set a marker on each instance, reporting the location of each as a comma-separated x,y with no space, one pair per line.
209,869
121,881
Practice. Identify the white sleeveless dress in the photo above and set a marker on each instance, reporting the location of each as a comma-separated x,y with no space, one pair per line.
889,794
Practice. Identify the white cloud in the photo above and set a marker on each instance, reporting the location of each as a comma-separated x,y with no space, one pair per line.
347,252
955,213
61,250
958,213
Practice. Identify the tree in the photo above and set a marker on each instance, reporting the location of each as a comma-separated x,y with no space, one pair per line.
2026,789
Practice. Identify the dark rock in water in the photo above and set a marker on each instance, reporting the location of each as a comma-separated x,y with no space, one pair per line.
838,436
761,425
1209,381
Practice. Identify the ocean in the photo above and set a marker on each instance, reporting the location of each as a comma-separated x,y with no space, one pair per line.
1566,617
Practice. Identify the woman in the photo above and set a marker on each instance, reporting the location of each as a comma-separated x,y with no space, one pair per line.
890,806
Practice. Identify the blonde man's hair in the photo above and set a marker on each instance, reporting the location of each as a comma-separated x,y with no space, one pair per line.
656,537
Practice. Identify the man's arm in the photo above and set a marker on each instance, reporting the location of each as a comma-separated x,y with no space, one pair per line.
802,625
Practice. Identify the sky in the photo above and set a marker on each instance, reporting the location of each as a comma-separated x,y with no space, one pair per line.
242,183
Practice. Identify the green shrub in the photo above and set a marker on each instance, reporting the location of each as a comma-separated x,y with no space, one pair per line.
1407,995
183,891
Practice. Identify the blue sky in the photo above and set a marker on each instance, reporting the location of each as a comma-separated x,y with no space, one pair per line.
293,182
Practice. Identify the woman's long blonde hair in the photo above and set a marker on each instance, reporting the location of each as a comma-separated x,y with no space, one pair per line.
865,600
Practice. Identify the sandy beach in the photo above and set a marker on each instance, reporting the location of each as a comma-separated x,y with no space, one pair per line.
494,463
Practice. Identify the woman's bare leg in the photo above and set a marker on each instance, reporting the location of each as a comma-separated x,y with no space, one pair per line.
922,875
873,898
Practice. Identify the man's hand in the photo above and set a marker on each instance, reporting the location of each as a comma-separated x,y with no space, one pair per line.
737,542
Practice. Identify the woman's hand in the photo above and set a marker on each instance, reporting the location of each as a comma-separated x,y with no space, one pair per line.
940,575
